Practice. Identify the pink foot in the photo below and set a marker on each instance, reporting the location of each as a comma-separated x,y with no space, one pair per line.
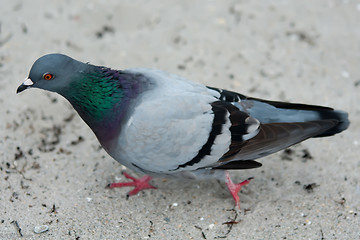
235,188
138,183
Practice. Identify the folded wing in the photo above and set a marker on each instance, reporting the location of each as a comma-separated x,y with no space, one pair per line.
260,127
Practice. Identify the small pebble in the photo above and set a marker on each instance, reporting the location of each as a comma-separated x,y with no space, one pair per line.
123,168
41,228
117,178
345,74
89,199
211,226
220,21
174,204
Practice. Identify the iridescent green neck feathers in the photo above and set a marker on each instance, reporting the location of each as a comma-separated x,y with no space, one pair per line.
102,97
95,94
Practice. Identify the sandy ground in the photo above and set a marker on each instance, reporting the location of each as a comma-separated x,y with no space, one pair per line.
53,171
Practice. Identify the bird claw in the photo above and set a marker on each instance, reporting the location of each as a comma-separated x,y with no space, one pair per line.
235,188
139,184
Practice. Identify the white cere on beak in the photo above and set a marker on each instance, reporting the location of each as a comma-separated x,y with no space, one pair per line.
28,82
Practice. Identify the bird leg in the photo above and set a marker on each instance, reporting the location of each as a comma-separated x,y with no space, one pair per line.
138,183
235,188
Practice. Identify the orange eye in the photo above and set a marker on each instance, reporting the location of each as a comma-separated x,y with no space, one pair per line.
47,76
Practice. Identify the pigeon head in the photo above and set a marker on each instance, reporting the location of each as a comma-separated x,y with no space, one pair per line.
52,72
100,95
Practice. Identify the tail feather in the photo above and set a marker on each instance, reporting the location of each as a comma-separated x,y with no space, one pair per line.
340,116
281,112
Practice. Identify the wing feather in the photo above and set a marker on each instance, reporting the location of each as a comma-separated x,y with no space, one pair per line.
251,139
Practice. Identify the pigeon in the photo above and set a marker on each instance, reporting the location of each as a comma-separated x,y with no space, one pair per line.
163,125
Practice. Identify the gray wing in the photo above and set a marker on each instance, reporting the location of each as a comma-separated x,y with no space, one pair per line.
280,126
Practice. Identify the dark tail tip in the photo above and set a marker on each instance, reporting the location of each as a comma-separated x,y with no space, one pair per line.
340,116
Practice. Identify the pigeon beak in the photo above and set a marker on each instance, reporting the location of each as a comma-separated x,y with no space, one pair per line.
25,85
